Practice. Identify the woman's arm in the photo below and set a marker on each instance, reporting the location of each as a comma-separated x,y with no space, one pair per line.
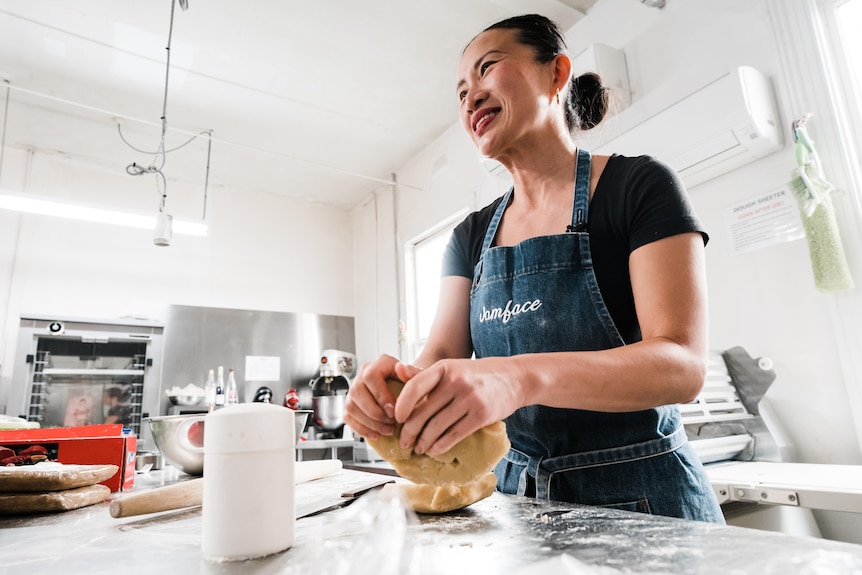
450,332
370,405
667,366
452,398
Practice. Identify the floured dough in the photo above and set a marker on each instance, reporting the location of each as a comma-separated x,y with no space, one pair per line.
462,474
469,459
53,476
50,501
440,499
472,457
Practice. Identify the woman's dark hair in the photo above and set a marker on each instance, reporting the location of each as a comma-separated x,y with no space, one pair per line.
588,99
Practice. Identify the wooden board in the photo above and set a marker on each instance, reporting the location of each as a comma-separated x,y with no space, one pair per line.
52,477
52,501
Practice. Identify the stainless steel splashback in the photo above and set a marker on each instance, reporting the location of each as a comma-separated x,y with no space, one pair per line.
181,347
197,339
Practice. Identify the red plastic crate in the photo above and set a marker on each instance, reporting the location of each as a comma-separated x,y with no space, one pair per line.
83,445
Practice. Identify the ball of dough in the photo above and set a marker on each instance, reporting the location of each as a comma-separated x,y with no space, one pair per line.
443,498
469,460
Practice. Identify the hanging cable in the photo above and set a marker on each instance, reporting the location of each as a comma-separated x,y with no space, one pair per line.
164,195
250,148
167,80
160,155
207,177
174,149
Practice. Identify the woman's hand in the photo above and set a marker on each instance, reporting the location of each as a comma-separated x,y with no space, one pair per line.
370,408
441,405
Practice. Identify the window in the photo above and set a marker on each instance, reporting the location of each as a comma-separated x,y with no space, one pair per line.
424,256
843,21
840,45
849,18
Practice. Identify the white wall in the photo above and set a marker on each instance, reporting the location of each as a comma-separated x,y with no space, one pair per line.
764,301
441,180
257,255
376,283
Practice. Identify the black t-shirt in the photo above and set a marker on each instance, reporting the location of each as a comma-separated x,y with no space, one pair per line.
638,200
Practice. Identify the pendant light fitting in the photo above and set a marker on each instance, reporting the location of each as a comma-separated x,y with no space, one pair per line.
163,229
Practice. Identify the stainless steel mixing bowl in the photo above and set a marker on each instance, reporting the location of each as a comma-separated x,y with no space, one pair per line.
173,433
185,400
329,411
166,432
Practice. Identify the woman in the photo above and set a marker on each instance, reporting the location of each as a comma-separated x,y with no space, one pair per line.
581,293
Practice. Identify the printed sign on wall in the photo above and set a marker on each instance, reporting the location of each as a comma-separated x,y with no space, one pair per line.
766,220
262,368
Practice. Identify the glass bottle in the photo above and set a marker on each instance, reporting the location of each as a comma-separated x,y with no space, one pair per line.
220,398
231,393
210,391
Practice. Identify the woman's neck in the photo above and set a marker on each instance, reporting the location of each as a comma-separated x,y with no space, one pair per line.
544,192
541,176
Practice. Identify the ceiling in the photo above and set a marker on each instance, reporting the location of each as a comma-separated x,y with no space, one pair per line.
320,100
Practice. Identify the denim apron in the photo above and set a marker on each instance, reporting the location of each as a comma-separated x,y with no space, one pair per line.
541,295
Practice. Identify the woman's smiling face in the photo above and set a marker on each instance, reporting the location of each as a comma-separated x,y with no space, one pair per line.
503,91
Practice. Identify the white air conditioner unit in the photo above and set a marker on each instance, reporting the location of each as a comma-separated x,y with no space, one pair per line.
610,64
723,125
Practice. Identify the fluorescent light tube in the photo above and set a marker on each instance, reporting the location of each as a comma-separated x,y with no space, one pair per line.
32,205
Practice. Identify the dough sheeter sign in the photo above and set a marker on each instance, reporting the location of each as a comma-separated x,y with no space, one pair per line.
766,220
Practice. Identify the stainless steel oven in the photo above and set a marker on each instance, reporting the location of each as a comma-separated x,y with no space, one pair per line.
79,371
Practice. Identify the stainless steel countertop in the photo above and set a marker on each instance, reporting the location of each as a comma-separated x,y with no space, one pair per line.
501,534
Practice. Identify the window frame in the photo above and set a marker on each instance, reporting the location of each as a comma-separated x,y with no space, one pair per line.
415,341
846,84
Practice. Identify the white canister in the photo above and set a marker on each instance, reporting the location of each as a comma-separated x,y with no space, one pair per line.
248,492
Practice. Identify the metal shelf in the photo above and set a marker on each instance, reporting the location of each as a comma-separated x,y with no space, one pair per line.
331,444
811,485
96,372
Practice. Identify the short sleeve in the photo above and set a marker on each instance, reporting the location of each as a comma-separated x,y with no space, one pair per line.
456,261
659,204
465,245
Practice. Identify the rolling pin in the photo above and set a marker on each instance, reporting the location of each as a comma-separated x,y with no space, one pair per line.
190,493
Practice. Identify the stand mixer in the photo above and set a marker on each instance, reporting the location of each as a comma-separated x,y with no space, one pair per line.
329,394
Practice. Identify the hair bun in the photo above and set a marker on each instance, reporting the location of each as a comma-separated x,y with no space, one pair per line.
590,100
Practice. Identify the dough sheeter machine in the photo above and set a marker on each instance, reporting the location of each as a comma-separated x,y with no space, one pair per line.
742,447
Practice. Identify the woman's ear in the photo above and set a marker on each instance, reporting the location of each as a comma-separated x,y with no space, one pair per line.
562,72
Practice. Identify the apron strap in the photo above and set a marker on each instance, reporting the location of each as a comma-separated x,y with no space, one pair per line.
495,221
582,193
579,209
490,234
